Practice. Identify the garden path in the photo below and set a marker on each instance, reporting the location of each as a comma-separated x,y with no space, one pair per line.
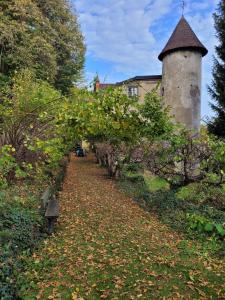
107,247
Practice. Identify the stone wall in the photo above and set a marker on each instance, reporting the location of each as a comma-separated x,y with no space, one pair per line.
143,87
181,86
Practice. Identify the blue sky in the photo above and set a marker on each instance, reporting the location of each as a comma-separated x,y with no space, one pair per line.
124,37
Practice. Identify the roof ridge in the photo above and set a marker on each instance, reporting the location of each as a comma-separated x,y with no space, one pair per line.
140,77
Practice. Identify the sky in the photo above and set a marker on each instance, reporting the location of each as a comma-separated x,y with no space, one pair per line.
125,37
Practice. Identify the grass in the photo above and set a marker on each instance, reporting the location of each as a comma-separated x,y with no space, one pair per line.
106,247
155,183
173,207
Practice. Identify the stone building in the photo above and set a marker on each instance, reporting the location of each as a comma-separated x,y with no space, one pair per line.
136,86
181,76
140,85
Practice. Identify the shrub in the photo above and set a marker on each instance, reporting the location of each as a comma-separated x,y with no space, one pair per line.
155,183
186,157
203,194
135,177
8,166
132,167
20,224
205,225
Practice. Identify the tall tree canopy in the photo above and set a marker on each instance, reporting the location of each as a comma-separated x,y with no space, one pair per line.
217,89
43,36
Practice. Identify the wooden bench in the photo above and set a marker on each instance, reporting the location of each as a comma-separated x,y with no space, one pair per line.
45,198
52,213
49,201
50,207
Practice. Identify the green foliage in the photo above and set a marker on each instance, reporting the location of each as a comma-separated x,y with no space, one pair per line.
4,81
115,117
53,149
187,157
135,177
214,166
155,118
217,124
74,118
67,40
43,36
205,225
111,116
30,119
125,126
155,183
176,208
203,194
132,167
8,166
29,146
19,226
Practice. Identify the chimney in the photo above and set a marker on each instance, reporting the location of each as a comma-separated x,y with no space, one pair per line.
96,84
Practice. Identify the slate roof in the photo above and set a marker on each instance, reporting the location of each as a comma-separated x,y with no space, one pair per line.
183,38
141,78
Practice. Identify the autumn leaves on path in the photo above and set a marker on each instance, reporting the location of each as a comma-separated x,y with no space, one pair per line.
106,247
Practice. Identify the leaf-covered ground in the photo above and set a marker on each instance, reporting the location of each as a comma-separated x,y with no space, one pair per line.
107,247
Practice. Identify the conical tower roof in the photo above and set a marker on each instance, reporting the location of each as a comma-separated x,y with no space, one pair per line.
183,38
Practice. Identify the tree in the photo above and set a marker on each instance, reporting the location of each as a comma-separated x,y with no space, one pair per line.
28,111
23,41
122,126
67,41
217,89
186,157
43,36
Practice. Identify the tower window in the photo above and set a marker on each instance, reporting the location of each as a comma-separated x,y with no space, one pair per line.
132,91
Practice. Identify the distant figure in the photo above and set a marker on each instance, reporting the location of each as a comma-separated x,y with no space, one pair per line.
80,152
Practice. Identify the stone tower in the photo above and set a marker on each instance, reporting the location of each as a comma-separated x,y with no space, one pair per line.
181,79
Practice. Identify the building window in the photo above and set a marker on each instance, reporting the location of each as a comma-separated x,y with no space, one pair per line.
132,91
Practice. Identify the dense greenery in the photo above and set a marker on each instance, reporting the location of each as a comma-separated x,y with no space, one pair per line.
20,224
187,157
177,173
196,209
108,248
39,126
134,126
30,152
43,36
217,91
41,58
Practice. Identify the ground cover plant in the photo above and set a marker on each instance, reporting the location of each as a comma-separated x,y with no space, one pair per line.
196,210
176,169
20,230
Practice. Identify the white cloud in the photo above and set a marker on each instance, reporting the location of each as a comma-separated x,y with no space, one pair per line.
129,34
120,31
